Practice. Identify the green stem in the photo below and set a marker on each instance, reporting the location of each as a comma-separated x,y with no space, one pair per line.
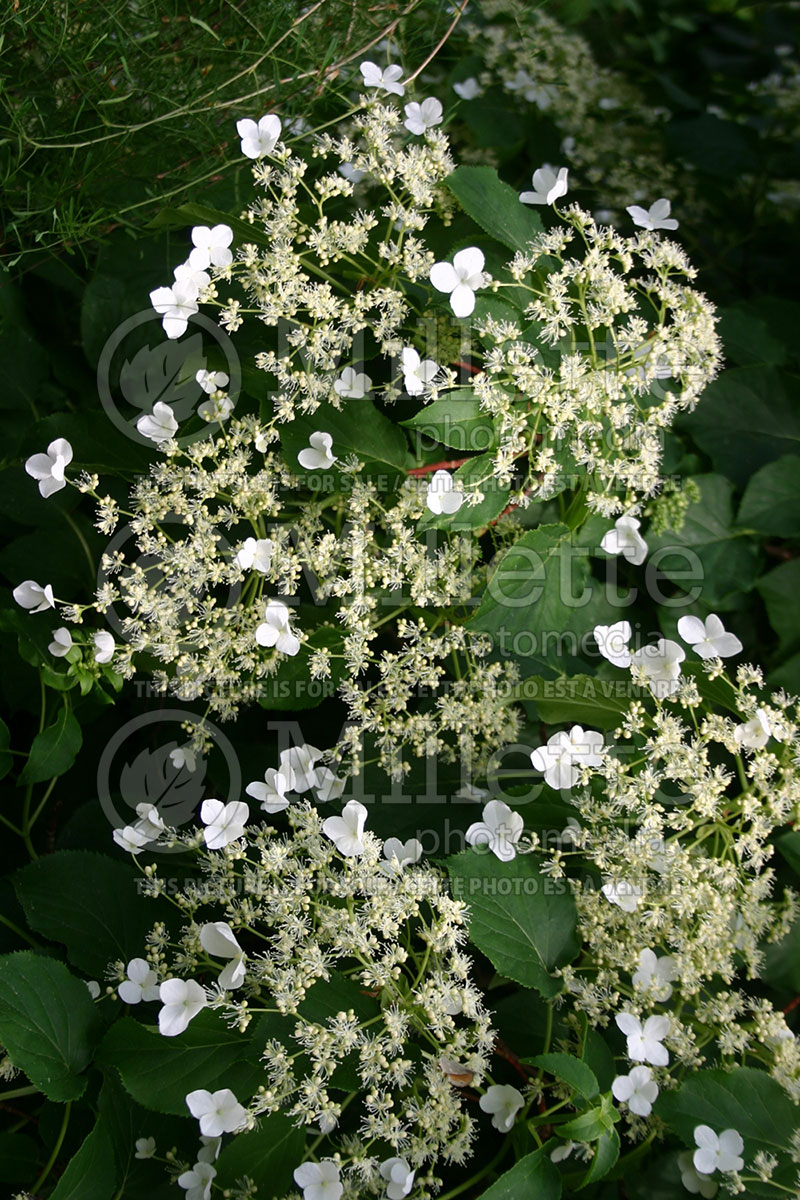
15,1093
20,932
56,1149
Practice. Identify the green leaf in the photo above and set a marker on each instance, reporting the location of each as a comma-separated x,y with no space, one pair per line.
605,1156
539,598
91,1174
571,1070
456,420
158,1071
708,558
771,502
779,590
48,1023
584,699
95,933
746,337
54,749
357,428
718,147
746,418
591,1125
746,1100
523,921
268,1155
533,1176
789,846
494,206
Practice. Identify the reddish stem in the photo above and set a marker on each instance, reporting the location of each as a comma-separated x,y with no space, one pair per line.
448,465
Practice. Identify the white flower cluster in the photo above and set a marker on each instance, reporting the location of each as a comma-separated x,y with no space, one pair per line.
265,929
679,831
610,134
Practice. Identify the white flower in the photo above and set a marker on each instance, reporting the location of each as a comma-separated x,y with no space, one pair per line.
216,408
183,756
500,830
460,279
661,663
33,597
612,642
468,89
212,381
417,372
655,975
300,760
219,940
693,1182
547,186
104,647
387,79
638,1090
319,1181
470,793
183,999
709,638
175,305
645,1041
504,1102
562,1152
626,540
210,1150
571,833
141,984
275,630
345,831
351,173
186,273
160,426
197,1181
255,555
560,760
61,643
224,823
352,384
623,893
399,855
271,794
754,734
218,1112
211,247
328,787
318,456
533,92
150,824
94,988
420,117
131,839
259,139
655,217
145,1147
442,496
49,467
717,1152
399,1178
